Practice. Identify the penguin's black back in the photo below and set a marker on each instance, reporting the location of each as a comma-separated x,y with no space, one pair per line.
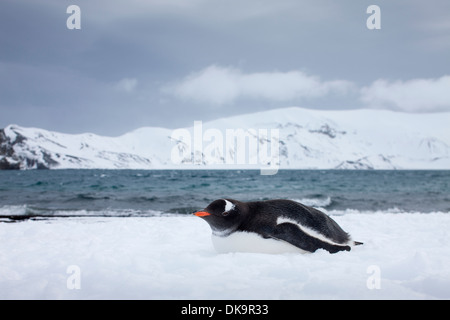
262,218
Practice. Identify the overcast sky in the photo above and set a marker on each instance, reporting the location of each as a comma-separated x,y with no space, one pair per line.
167,63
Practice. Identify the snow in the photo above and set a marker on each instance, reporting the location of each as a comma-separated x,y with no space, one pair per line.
250,242
308,139
404,256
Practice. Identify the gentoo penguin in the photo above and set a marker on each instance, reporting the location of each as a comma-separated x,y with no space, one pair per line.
272,226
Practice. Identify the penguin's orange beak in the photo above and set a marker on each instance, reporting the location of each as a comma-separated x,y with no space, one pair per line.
202,213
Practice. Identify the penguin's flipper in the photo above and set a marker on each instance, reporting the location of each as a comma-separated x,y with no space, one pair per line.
294,235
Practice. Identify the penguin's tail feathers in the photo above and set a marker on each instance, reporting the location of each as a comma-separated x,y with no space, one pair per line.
357,243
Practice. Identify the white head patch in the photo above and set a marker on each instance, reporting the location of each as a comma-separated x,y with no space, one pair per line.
228,205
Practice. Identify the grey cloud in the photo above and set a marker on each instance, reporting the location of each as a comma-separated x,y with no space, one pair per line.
107,77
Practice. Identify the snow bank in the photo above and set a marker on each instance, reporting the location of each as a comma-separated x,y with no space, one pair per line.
405,256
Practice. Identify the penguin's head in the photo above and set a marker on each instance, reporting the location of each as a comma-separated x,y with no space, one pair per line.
223,215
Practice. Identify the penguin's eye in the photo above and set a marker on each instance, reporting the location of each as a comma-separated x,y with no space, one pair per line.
231,211
226,213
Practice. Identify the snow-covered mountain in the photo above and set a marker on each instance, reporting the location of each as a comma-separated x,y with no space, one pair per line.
285,138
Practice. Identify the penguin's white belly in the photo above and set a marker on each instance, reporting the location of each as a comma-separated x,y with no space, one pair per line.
252,242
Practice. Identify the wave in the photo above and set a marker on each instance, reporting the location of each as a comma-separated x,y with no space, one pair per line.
315,202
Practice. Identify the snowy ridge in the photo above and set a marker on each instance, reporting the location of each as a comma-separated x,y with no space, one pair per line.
308,139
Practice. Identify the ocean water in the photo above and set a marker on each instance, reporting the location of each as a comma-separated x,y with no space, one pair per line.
61,193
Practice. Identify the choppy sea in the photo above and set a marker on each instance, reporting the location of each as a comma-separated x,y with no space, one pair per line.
41,194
